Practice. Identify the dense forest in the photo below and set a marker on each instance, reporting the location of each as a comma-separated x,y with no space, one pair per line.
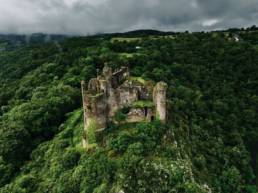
208,145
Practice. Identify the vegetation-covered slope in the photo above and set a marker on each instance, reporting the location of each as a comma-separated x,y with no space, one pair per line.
209,143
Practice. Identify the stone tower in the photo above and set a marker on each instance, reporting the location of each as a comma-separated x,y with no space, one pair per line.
160,100
95,108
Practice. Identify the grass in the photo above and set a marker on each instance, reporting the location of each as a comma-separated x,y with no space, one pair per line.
91,137
119,39
142,104
73,128
127,55
138,79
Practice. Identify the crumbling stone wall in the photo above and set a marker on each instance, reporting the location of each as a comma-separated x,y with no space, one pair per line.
127,95
140,115
95,108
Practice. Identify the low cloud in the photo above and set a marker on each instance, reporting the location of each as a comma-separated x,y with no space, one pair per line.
100,16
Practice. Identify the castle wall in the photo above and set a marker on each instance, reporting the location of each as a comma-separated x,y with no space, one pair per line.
140,114
97,109
136,115
144,94
119,76
127,95
112,102
150,114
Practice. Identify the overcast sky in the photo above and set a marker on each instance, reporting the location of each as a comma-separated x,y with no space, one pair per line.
97,16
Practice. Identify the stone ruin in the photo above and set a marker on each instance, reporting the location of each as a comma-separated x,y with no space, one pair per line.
112,92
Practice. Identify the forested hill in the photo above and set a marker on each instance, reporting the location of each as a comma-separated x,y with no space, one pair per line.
208,145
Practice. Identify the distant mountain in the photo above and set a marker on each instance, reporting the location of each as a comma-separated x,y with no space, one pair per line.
11,41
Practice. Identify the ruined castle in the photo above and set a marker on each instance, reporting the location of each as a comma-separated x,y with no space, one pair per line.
115,93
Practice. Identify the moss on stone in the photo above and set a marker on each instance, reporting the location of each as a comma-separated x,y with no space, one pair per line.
142,104
94,95
92,126
157,116
138,79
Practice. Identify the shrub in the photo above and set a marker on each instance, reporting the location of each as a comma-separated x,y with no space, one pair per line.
119,116
70,159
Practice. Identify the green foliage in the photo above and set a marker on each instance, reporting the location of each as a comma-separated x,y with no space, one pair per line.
6,171
144,136
138,79
103,188
70,159
142,104
28,183
162,176
250,189
120,143
91,129
120,116
231,180
136,148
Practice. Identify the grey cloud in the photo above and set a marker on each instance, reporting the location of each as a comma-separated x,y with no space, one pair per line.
99,16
